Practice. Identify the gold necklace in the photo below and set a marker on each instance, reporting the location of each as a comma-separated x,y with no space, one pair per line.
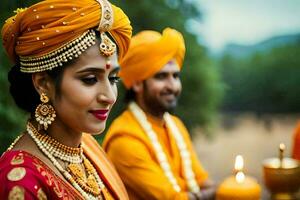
89,187
88,183
58,150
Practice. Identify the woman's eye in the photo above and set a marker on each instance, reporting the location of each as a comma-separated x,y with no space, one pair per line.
114,79
89,80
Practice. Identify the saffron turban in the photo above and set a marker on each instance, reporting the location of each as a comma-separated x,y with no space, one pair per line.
47,25
148,52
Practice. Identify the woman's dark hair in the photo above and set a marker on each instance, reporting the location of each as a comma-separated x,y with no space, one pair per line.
22,90
129,96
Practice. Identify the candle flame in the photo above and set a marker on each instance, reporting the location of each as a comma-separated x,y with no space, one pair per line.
239,163
281,146
240,177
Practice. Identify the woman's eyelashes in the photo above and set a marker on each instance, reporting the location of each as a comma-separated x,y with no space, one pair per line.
92,79
114,79
89,80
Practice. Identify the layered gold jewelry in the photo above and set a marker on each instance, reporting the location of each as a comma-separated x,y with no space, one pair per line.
140,116
75,47
60,151
82,175
57,57
67,52
44,113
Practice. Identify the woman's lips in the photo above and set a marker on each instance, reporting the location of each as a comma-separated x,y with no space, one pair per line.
100,114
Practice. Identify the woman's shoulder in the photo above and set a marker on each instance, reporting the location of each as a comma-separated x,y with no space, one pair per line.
24,175
14,158
19,176
17,160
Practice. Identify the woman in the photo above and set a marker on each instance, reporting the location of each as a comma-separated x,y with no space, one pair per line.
66,62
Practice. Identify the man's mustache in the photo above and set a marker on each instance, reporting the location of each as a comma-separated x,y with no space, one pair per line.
170,92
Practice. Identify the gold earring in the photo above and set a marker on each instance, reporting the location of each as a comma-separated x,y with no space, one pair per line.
44,113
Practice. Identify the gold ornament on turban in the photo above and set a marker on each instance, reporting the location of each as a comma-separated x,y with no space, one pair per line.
52,32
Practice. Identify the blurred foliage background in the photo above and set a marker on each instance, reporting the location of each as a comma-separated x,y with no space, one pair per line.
262,78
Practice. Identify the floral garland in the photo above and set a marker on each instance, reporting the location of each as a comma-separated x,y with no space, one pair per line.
161,156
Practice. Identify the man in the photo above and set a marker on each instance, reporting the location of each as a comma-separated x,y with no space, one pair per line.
150,148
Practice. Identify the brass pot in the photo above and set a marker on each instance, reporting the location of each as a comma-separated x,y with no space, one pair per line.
282,177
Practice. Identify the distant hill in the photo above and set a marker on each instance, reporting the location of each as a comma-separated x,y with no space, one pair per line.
246,50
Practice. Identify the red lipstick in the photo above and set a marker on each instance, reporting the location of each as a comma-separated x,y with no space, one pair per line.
100,114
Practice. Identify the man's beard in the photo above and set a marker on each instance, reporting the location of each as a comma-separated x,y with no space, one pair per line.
159,106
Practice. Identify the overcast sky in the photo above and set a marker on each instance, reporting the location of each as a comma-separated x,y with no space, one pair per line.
246,21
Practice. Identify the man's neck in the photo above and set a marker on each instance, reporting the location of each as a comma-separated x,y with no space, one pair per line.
155,114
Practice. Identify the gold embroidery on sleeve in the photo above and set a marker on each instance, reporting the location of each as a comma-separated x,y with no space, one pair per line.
17,159
16,193
16,174
41,194
50,180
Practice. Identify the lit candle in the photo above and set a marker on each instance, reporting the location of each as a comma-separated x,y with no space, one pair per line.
239,187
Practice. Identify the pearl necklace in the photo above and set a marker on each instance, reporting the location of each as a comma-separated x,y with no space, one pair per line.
76,182
161,156
14,142
60,151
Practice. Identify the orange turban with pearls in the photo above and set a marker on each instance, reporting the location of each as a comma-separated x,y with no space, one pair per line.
49,24
148,52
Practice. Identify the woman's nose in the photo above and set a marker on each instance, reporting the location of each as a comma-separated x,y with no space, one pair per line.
107,94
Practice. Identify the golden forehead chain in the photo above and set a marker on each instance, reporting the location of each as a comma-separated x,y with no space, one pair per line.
56,58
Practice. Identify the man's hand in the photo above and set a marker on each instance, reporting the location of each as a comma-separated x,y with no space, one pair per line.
207,192
192,196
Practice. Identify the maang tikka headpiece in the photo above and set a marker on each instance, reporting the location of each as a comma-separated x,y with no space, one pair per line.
107,46
75,47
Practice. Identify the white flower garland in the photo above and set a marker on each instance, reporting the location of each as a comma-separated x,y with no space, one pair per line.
161,156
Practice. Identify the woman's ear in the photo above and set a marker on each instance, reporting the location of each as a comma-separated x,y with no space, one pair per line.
43,84
138,87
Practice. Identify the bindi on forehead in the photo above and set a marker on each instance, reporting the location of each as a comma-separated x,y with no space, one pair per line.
107,64
107,48
111,62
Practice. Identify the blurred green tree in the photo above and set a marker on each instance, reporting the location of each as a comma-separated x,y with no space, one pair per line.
264,82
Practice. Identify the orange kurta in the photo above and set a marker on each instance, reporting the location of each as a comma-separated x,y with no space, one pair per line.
296,143
133,155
